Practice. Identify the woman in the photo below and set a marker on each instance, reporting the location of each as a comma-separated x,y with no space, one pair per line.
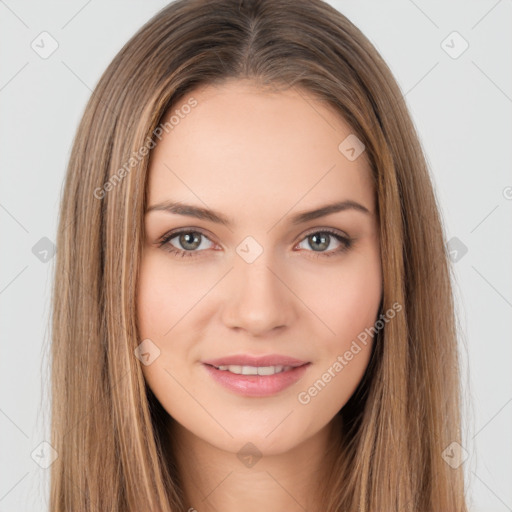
252,297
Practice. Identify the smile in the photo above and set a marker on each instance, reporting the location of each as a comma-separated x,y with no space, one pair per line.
254,370
256,381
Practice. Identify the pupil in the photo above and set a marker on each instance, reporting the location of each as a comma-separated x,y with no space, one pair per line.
323,241
190,238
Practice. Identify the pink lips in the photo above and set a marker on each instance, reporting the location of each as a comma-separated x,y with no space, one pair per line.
248,360
256,385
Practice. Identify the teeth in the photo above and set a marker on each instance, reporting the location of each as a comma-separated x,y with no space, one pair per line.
253,370
269,370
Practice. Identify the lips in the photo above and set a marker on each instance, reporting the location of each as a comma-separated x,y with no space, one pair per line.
255,361
268,384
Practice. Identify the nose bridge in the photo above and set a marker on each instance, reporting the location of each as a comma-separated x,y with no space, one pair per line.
257,300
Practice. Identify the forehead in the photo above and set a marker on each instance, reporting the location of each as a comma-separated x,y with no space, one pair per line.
245,147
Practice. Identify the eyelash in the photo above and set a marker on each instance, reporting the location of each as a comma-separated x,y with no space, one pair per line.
163,242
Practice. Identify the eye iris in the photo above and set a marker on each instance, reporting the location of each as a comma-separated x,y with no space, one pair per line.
185,239
322,239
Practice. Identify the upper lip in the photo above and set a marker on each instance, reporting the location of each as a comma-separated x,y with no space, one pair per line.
249,360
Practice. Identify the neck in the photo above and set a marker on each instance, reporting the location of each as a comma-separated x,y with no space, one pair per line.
217,480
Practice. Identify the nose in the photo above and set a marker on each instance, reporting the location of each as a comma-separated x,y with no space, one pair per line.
256,297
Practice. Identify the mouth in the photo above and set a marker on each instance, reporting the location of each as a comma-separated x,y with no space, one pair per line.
257,379
256,361
253,370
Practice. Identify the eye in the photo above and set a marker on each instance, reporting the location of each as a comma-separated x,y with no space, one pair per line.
190,241
321,240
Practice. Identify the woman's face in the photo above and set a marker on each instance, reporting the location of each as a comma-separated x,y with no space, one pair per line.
257,277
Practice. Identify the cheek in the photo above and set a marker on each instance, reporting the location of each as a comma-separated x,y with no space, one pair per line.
347,303
158,310
346,299
153,303
357,295
168,300
164,296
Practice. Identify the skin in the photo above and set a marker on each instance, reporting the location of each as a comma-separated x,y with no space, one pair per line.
258,157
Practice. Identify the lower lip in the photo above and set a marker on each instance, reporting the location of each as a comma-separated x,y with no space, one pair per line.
256,385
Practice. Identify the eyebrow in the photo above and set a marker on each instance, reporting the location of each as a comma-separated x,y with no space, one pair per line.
189,210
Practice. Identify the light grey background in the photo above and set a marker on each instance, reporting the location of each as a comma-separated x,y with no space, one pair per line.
461,107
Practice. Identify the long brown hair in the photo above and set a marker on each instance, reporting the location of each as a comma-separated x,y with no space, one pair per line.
107,427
